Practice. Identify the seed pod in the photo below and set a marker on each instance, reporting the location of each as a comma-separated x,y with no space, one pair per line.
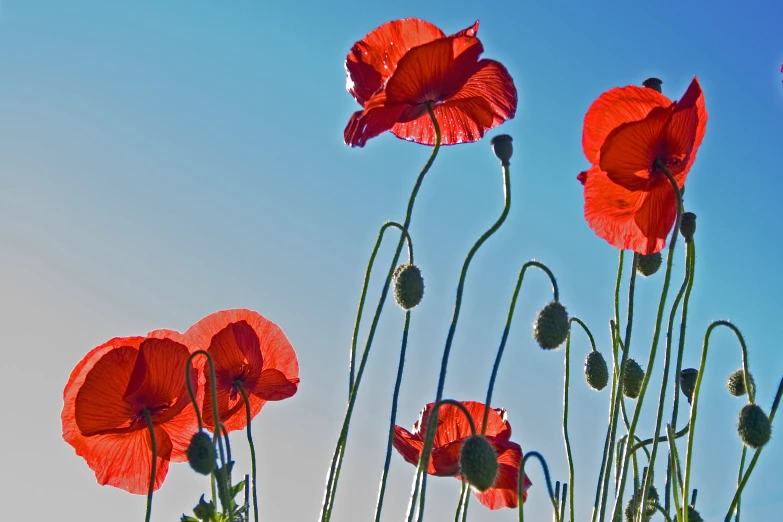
408,286
478,462
596,372
551,326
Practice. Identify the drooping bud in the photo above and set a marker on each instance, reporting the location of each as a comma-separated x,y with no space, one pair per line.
632,380
633,507
688,226
596,372
551,326
503,148
478,462
647,265
753,426
408,286
688,382
653,83
201,453
736,383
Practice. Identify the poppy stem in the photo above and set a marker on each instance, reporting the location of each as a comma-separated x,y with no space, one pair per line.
334,471
676,473
213,389
461,499
736,499
393,415
739,481
465,506
153,465
430,433
695,402
520,484
243,392
663,512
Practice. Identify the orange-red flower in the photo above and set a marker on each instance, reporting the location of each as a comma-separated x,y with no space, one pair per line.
629,202
451,431
247,349
105,401
403,65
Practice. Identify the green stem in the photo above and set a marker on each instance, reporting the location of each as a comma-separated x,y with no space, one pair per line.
563,504
461,499
662,438
521,482
334,471
426,450
213,390
675,470
241,388
739,480
153,471
663,512
465,507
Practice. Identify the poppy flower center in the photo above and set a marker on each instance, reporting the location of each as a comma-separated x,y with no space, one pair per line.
154,411
239,380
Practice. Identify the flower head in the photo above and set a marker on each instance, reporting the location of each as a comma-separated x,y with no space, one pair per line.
551,327
110,396
628,132
408,286
451,432
404,66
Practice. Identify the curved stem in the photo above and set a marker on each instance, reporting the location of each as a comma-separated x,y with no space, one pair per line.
663,438
241,388
213,390
452,329
663,512
334,471
153,471
354,338
521,481
507,328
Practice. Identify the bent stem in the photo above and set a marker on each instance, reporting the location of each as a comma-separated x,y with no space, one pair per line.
241,388
153,471
213,389
426,450
521,481
334,471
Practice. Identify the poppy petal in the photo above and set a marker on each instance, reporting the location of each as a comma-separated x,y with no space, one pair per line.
657,214
409,445
374,58
445,459
612,109
503,493
684,131
372,122
273,385
230,406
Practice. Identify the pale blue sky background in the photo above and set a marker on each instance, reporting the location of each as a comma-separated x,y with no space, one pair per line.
161,162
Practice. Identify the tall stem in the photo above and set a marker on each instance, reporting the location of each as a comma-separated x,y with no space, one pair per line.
153,471
241,388
520,483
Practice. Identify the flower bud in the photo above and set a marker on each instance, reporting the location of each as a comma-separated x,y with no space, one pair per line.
632,508
753,426
502,147
596,372
688,382
632,380
647,265
408,286
688,226
653,83
736,383
478,462
693,515
201,453
551,327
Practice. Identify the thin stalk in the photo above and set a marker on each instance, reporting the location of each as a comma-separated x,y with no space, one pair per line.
739,480
521,482
243,392
153,471
461,500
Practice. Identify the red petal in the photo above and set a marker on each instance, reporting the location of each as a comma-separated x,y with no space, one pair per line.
231,408
685,131
612,109
445,459
273,385
374,58
373,121
409,445
504,492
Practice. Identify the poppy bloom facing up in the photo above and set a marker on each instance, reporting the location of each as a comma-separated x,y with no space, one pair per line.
106,401
629,202
403,65
450,434
247,349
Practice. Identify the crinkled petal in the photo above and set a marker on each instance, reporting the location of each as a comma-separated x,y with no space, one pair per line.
503,493
273,385
409,445
445,459
684,132
372,122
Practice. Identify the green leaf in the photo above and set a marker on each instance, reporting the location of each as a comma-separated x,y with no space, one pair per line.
239,487
205,511
186,518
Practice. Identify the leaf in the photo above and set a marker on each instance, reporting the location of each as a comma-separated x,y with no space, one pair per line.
186,518
205,511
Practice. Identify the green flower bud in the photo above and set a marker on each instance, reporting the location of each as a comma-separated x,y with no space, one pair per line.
551,327
201,453
693,515
653,83
478,462
688,382
632,508
647,265
632,380
753,426
688,226
736,383
502,147
596,372
408,286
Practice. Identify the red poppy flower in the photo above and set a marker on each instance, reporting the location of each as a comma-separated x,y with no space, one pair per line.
628,201
246,348
105,400
402,66
452,430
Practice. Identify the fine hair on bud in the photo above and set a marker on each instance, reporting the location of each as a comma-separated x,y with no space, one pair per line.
201,453
478,462
632,380
408,286
551,327
688,382
647,265
596,372
633,507
736,383
753,426
693,515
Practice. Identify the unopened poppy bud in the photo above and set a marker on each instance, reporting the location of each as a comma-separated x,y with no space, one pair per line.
201,453
647,265
408,286
688,226
596,372
688,382
693,515
653,83
502,147
753,426
736,383
632,380
633,507
478,462
551,327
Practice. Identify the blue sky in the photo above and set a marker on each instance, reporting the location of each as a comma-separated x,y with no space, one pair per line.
159,163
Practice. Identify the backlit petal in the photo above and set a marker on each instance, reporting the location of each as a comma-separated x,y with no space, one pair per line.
273,385
371,122
409,445
503,493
